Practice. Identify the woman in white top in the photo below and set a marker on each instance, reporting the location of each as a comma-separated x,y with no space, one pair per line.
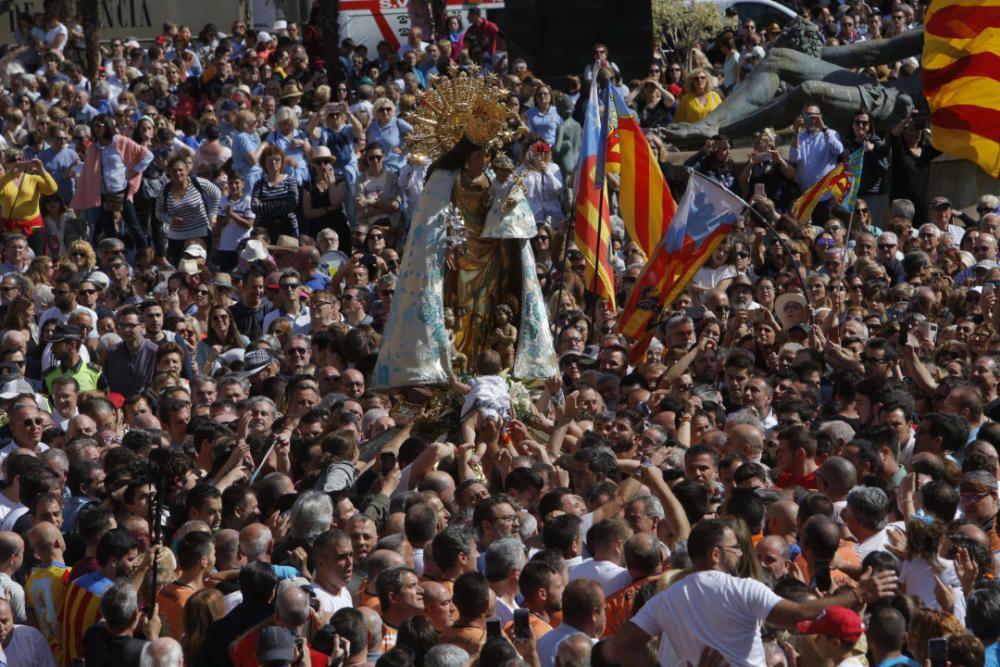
717,273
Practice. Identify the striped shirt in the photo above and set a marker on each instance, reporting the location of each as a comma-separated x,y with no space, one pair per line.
80,610
276,205
45,590
192,208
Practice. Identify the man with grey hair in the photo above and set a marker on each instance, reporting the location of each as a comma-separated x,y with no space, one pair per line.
574,651
263,412
644,514
839,432
446,655
162,652
111,641
504,560
866,516
902,208
679,332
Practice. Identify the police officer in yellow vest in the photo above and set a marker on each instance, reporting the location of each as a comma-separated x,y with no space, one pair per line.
66,342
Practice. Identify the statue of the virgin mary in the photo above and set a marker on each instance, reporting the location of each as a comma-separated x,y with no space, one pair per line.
468,247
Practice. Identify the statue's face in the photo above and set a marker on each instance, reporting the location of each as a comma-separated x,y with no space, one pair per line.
476,162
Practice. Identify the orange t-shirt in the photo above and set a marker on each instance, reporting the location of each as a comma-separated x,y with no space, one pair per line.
171,600
467,638
537,625
618,607
845,553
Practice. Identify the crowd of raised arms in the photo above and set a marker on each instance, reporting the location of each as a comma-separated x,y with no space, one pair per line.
200,252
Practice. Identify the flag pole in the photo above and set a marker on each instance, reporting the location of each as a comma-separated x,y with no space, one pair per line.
799,268
562,274
600,169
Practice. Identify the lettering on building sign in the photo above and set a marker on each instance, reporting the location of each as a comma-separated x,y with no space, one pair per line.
125,14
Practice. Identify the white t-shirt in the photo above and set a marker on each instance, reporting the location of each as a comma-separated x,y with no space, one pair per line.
610,576
917,578
709,608
710,278
234,232
876,542
331,603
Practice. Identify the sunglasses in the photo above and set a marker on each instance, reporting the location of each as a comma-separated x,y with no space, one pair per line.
37,421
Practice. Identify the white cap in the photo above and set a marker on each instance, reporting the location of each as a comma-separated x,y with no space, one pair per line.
254,251
263,37
195,250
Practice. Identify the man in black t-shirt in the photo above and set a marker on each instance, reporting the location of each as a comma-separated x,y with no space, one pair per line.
110,642
249,312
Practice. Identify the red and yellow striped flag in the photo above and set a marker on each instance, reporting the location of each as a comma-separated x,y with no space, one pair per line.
961,78
646,203
593,216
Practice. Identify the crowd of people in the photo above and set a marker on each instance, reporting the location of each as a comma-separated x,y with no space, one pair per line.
201,248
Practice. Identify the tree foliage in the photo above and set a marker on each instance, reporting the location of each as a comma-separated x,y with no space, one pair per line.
683,24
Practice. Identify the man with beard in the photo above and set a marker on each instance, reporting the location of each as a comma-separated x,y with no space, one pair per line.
86,485
627,430
117,556
111,175
541,586
334,558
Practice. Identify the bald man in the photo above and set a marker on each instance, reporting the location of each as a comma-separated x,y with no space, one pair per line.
377,562
774,555
162,652
11,559
46,585
745,440
373,620
574,651
23,645
835,478
781,520
291,611
438,605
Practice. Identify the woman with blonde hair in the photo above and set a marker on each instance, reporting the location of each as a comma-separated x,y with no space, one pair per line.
247,148
293,142
40,271
388,131
82,254
699,98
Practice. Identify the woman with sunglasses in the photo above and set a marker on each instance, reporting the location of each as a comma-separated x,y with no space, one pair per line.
379,197
698,99
388,131
221,335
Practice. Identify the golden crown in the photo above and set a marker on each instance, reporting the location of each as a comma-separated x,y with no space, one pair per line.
460,104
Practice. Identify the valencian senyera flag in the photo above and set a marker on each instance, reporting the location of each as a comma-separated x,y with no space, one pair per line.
646,203
593,218
705,215
961,79
842,182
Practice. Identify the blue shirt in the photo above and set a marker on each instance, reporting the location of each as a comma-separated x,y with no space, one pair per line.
899,660
817,154
113,169
389,137
58,163
992,655
244,144
544,124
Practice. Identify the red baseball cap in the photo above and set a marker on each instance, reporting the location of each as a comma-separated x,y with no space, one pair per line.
838,622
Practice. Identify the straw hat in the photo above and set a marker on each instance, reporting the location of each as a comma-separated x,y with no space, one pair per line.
285,244
322,154
291,89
